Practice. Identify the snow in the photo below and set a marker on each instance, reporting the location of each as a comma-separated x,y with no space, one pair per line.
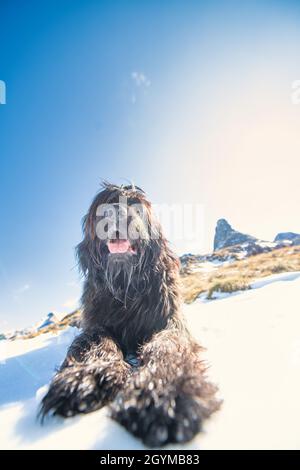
209,266
265,244
275,278
253,342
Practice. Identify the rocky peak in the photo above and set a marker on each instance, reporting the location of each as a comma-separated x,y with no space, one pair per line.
226,236
287,236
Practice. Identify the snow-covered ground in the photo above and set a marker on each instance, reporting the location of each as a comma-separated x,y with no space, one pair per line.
253,342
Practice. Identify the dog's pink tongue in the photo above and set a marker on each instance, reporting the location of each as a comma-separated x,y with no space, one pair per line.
118,246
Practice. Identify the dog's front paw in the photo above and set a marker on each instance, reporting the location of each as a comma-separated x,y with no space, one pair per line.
158,420
72,392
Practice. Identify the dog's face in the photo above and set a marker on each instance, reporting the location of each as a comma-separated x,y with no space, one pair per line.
122,223
121,237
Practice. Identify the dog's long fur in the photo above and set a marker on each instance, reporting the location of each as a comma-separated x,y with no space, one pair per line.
132,308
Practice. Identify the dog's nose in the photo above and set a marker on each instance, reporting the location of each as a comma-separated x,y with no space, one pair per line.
119,235
116,234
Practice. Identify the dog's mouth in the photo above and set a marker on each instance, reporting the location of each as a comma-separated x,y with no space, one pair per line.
120,246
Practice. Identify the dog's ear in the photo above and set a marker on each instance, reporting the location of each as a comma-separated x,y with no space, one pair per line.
88,223
83,253
162,254
83,256
160,251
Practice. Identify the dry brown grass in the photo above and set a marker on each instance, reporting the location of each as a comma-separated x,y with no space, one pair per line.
228,285
240,274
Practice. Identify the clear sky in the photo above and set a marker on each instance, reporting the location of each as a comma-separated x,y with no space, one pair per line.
191,100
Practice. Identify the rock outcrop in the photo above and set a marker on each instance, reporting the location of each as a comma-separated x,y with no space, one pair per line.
226,236
292,237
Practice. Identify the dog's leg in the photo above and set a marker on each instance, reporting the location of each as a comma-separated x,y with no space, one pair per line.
90,376
166,399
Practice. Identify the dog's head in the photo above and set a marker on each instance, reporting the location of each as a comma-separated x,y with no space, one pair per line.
122,238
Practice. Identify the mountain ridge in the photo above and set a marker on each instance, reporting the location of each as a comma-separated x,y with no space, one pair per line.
226,236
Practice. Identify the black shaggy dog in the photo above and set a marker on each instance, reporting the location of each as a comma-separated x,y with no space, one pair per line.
135,352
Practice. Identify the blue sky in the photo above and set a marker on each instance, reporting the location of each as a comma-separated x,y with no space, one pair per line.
191,100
